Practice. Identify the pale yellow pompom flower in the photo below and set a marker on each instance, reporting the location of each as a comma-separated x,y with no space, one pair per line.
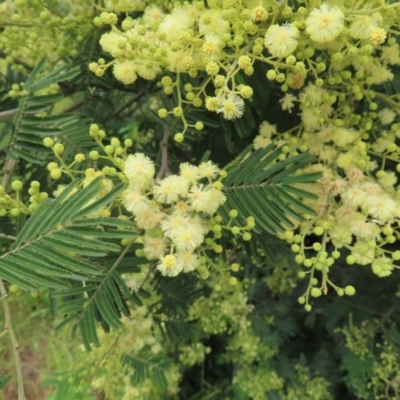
139,169
325,23
361,27
125,72
190,172
281,41
208,170
134,201
188,260
149,218
154,247
188,237
386,116
169,266
231,106
171,188
110,41
173,223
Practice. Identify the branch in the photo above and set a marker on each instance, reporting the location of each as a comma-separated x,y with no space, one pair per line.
8,115
3,235
15,345
164,154
122,107
8,170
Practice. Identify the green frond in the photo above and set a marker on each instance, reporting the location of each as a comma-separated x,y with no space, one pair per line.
4,379
44,99
147,365
48,255
260,185
28,129
101,202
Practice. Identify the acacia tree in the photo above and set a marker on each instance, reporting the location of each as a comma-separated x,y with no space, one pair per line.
207,193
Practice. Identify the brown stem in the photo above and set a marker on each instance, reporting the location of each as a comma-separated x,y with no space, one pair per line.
164,154
15,345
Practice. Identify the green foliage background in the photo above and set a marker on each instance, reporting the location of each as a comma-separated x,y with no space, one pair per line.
145,336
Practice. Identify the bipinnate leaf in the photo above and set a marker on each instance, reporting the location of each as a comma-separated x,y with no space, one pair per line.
260,185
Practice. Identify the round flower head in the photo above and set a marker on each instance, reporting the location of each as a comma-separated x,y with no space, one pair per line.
154,247
190,172
174,222
325,23
212,22
188,260
139,169
125,72
149,218
362,27
386,116
231,106
208,170
109,42
188,237
281,41
134,201
169,265
171,188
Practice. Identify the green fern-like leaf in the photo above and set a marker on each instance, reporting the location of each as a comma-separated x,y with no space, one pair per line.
28,128
147,365
4,379
62,247
260,185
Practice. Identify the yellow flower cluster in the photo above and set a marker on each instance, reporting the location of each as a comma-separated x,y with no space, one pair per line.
219,44
173,212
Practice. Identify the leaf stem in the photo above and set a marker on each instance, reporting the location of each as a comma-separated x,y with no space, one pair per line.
15,345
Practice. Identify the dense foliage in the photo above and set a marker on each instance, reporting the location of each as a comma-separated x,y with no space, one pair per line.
204,194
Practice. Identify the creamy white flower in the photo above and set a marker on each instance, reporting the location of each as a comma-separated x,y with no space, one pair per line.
381,207
109,42
386,116
361,27
171,188
261,142
125,72
189,171
188,260
281,41
287,102
139,169
154,247
188,238
266,129
169,265
231,106
208,170
212,22
325,23
134,201
149,218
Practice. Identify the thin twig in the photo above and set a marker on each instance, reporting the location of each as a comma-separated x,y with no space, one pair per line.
3,235
122,107
151,266
15,345
164,154
72,108
8,171
8,115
